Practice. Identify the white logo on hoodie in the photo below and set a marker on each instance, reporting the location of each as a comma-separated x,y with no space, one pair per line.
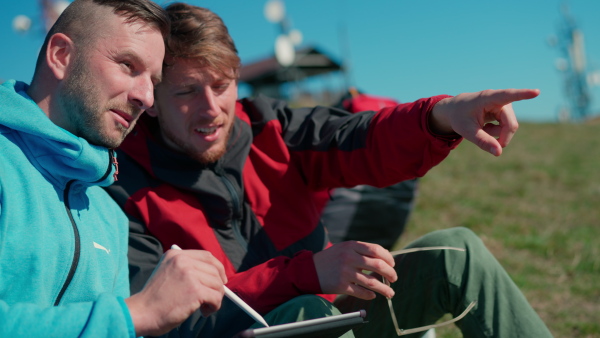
98,246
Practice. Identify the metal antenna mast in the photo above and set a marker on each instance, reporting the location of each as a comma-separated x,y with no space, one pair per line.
570,43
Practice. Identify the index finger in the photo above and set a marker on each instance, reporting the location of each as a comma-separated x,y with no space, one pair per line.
374,251
502,97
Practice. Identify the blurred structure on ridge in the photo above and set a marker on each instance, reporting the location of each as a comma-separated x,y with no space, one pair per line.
50,10
577,78
303,76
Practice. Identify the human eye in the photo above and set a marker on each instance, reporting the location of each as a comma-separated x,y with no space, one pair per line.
220,87
127,65
183,91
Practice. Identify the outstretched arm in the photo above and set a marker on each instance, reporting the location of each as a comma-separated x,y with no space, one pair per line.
471,115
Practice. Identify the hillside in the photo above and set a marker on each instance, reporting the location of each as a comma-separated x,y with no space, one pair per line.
537,208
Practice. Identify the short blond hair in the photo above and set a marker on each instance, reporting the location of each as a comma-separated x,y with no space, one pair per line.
199,34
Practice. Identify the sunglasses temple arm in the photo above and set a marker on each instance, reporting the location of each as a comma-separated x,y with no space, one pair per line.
402,332
405,251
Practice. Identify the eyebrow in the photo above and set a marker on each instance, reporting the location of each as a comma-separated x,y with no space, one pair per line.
189,82
156,79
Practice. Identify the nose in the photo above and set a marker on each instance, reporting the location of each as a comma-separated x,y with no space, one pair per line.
142,94
209,105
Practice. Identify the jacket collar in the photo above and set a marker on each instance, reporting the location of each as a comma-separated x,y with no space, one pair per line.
59,155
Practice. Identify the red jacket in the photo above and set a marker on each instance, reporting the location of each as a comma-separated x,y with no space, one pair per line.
256,209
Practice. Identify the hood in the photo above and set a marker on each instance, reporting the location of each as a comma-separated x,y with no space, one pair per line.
58,154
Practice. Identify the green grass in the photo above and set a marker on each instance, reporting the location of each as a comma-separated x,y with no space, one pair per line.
537,208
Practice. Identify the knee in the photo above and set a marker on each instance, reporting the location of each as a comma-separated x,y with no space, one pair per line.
301,308
463,236
309,301
455,237
311,306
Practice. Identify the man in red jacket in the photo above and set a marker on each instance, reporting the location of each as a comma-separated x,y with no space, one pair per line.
367,213
241,179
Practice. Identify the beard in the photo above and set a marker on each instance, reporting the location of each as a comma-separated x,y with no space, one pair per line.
85,112
211,155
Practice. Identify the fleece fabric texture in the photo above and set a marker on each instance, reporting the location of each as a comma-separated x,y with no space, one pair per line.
63,241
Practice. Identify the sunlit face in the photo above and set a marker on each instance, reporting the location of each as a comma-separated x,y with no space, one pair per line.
110,83
195,107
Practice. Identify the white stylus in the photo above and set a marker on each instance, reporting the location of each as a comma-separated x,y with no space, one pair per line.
237,300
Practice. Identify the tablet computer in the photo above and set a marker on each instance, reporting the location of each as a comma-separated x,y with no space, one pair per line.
332,325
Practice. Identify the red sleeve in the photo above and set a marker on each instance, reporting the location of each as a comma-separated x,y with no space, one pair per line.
266,286
399,146
362,102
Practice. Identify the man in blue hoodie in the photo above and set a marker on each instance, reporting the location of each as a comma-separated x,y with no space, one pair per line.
63,241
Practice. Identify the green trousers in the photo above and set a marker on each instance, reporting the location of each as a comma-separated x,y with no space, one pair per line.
431,284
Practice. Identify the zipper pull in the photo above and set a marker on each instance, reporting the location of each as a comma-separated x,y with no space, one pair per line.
116,164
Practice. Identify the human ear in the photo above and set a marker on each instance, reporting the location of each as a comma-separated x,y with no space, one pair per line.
152,111
59,54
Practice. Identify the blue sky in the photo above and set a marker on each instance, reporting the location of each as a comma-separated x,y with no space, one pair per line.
397,48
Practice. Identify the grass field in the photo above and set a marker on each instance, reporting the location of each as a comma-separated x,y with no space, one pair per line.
537,208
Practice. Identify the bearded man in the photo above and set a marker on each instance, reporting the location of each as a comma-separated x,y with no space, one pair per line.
63,251
243,179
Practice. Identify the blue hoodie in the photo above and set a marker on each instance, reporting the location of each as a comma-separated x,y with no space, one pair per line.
63,241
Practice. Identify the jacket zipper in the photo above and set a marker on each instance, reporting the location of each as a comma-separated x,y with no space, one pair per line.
236,207
77,246
77,253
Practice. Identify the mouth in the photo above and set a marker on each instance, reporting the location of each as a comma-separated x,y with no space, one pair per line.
207,130
123,118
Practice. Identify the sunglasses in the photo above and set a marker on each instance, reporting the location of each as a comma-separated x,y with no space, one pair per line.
400,331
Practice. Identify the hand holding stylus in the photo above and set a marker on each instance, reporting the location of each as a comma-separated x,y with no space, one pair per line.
237,300
183,282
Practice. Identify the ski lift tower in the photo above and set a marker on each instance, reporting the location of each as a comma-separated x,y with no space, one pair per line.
572,65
